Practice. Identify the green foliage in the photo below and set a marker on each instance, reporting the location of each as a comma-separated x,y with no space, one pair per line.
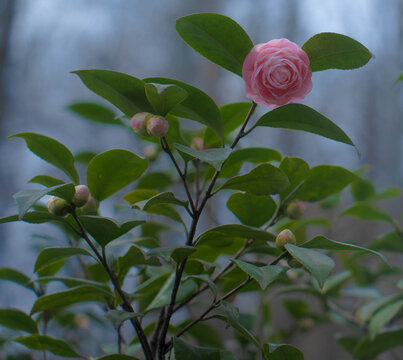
136,264
112,170
335,51
217,37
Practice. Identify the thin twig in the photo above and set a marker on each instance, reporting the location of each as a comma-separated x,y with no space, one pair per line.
126,304
157,331
196,215
167,149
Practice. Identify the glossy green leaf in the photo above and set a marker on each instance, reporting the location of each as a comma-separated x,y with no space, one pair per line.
383,316
16,276
304,118
318,264
49,256
112,170
254,155
265,179
166,210
198,106
104,230
335,51
281,352
214,157
71,282
95,112
183,351
48,343
370,308
264,275
362,190
137,195
51,151
17,320
297,170
71,296
25,199
206,279
336,280
323,181
124,91
154,180
164,98
46,180
252,210
164,198
321,242
366,211
217,37
34,217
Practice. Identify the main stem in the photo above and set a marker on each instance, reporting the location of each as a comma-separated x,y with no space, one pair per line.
126,304
195,219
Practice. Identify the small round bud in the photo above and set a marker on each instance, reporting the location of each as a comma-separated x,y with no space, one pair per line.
151,152
295,210
293,263
157,126
90,207
82,321
81,195
197,143
139,123
285,237
58,207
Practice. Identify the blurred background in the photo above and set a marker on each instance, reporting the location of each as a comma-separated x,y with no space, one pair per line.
42,41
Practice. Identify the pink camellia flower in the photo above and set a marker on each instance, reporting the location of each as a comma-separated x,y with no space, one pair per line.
277,73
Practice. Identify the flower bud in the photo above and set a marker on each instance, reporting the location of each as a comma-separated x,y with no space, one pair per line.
151,152
82,321
197,143
81,195
139,123
295,210
58,207
285,237
157,126
90,207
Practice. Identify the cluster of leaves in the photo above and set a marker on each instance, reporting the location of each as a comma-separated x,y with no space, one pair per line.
100,255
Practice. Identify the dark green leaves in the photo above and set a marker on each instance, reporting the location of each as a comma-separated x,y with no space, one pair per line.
27,198
198,106
112,170
323,181
214,157
95,112
71,296
17,320
366,211
124,91
217,37
50,256
264,275
281,352
47,343
104,230
335,51
16,276
302,117
164,97
265,179
252,210
51,151
318,264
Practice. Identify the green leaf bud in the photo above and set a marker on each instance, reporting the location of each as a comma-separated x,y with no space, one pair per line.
285,237
58,207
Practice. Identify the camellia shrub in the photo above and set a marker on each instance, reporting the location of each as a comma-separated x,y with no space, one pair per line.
154,281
